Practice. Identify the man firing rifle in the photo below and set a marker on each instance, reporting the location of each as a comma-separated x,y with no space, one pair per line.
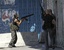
14,26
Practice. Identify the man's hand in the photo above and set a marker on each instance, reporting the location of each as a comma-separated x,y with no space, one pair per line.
54,22
43,22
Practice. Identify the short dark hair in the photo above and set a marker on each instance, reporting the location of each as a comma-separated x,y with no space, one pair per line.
15,16
50,10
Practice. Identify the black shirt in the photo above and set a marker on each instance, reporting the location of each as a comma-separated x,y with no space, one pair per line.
14,22
48,21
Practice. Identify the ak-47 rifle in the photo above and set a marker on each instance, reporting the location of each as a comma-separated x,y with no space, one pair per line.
25,17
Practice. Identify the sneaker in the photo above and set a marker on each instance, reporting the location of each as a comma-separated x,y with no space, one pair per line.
10,46
13,45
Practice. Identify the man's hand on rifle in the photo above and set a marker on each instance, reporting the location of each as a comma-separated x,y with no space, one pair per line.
24,19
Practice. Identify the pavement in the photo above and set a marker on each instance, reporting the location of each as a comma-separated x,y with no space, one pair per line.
36,47
26,41
20,48
6,37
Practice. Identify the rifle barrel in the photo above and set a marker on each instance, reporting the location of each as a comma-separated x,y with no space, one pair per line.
27,16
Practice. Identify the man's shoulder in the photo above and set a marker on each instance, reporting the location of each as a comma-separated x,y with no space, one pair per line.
53,15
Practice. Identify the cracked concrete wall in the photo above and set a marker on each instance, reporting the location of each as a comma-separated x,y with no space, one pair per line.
60,23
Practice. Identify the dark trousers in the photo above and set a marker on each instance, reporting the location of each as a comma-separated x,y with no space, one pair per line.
53,37
51,33
13,38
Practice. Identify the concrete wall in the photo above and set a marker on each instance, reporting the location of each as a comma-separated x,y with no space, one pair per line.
63,22
60,23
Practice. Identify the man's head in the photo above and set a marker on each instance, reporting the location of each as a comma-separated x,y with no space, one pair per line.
15,15
48,11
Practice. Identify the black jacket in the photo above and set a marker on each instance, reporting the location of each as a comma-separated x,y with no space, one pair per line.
48,21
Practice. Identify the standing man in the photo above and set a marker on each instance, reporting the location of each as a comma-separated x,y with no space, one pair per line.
14,26
49,27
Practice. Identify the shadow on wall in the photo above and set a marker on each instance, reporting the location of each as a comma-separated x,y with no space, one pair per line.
31,39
